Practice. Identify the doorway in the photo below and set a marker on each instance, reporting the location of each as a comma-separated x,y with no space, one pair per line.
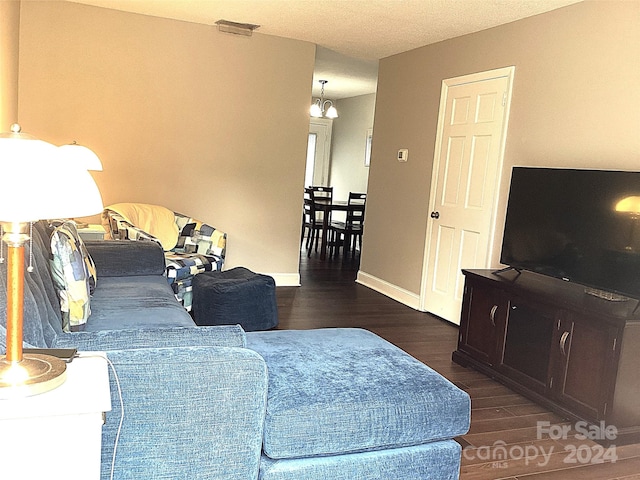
471,135
318,152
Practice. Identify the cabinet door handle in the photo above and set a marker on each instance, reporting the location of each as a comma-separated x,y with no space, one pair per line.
563,343
492,315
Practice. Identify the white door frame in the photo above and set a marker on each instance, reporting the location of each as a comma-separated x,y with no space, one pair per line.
327,125
446,84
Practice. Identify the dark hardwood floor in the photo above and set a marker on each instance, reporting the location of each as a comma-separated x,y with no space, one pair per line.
508,438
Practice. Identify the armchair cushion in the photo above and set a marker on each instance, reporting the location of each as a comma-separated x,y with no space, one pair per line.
184,265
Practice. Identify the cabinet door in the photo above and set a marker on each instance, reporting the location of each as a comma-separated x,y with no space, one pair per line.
584,365
528,340
484,310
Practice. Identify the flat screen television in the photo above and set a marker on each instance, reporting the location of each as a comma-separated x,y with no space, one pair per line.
580,226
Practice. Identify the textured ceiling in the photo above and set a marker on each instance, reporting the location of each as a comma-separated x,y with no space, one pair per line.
352,34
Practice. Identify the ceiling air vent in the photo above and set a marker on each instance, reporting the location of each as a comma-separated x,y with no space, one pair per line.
235,27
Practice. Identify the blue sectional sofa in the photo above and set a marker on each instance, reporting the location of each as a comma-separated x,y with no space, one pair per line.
219,403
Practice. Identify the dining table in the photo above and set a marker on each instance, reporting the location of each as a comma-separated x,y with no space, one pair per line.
327,207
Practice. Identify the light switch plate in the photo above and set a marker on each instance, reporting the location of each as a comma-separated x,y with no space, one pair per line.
403,154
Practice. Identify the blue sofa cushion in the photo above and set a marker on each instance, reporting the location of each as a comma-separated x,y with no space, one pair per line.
120,258
336,391
179,337
430,461
135,302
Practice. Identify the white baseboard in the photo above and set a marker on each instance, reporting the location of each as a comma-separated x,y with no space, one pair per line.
401,295
286,279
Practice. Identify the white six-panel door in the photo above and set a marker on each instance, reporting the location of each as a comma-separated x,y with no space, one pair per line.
468,160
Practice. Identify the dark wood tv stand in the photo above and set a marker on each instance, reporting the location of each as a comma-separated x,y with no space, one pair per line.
574,353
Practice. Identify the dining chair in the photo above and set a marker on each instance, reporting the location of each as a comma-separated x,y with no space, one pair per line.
349,233
311,222
322,192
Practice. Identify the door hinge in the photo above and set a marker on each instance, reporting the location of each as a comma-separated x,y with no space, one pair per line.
615,340
551,382
504,99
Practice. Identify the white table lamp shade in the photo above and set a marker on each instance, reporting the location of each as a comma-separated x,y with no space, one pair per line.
84,156
43,181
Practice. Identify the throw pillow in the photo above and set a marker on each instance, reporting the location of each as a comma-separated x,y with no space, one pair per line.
74,275
91,267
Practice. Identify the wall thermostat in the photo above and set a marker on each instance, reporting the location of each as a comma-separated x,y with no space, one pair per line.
403,154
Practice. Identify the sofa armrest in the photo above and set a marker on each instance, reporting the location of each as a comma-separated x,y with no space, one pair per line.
105,340
198,237
120,258
188,412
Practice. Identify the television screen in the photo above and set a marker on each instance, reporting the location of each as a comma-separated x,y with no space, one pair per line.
581,226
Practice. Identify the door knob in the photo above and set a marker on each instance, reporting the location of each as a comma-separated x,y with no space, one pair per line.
435,215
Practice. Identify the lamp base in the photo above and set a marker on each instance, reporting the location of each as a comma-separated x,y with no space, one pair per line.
35,374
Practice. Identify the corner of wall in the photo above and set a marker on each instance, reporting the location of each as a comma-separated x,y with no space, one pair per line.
9,55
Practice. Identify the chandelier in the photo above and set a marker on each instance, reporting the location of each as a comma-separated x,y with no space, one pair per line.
322,107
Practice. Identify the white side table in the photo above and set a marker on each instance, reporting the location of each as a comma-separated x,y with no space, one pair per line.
58,434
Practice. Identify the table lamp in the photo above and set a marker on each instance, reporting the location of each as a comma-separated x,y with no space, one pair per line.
40,183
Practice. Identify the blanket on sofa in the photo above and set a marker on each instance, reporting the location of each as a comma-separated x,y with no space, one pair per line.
157,220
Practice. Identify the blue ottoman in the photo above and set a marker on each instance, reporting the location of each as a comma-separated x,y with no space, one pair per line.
236,296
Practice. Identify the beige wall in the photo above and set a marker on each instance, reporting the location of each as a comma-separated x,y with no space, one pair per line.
576,102
9,41
209,124
348,173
